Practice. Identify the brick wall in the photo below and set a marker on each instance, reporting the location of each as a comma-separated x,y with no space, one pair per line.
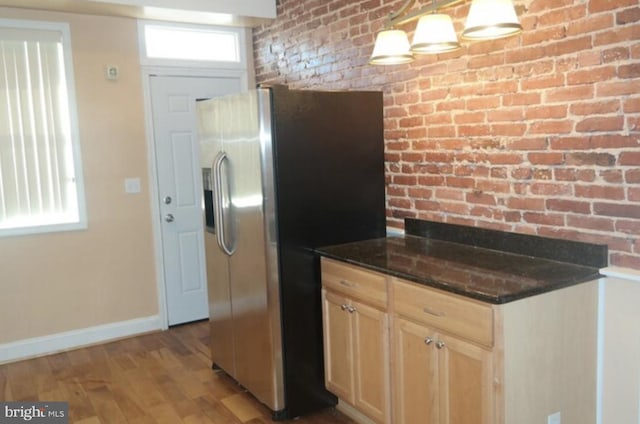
538,133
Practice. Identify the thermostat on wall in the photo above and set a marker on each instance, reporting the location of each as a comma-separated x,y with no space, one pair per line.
112,72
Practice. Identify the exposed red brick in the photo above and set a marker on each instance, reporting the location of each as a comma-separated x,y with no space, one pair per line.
396,191
618,35
591,75
493,186
598,224
546,112
555,220
600,159
562,98
451,194
481,198
595,108
551,127
625,261
601,124
404,179
621,210
546,158
612,176
629,71
399,203
528,144
582,92
454,208
589,24
550,189
628,16
613,141
617,88
628,226
522,173
629,158
547,81
615,54
574,174
520,99
632,176
600,192
564,205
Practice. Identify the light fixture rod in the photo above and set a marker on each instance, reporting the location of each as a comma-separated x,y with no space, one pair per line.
402,17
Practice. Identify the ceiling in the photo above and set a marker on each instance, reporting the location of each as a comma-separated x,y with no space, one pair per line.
197,13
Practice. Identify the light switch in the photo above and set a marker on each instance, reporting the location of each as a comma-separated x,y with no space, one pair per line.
132,185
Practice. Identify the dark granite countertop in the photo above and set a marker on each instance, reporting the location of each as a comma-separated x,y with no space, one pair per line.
493,276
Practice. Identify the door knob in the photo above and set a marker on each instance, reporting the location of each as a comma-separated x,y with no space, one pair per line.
169,217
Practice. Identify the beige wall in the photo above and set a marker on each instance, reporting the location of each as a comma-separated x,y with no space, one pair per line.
621,350
58,282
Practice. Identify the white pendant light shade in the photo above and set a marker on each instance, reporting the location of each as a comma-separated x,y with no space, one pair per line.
392,48
434,34
490,19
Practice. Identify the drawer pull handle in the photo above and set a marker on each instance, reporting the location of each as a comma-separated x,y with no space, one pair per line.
433,312
347,283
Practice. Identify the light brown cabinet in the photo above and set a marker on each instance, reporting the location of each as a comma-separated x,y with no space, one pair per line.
356,340
456,360
439,378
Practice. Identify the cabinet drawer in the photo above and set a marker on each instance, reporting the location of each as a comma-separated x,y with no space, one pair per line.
448,312
355,282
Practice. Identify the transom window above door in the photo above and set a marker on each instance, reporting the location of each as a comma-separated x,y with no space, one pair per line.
192,45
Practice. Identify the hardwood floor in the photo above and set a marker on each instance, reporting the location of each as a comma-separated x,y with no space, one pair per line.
164,377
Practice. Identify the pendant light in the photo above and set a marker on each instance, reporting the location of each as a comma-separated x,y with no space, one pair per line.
487,19
490,19
391,48
434,34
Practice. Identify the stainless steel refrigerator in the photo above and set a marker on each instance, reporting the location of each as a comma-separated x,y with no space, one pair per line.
284,172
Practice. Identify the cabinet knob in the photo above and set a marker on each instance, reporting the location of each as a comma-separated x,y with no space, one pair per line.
439,344
428,341
351,309
344,307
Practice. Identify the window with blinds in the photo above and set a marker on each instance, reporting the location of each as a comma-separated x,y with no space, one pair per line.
40,185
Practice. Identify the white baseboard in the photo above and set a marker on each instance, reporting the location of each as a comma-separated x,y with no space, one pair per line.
37,346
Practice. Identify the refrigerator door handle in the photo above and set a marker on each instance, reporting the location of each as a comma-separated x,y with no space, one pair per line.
220,199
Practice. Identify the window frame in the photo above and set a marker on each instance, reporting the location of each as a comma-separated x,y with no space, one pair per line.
82,223
238,32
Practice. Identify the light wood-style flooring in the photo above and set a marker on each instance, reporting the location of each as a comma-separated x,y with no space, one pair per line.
164,377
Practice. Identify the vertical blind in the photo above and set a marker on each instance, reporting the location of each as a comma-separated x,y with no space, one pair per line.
37,179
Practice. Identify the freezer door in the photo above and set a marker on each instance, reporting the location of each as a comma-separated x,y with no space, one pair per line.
254,298
217,262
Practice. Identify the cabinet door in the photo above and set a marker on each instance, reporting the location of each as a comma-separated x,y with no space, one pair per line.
416,374
338,346
466,382
371,361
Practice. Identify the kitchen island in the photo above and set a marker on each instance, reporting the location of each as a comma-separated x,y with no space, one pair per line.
454,324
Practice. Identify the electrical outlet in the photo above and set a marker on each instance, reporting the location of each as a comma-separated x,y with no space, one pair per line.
554,418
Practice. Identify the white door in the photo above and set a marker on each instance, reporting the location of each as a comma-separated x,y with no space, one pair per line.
180,188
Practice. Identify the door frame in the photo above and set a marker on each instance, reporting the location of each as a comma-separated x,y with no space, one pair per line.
247,80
